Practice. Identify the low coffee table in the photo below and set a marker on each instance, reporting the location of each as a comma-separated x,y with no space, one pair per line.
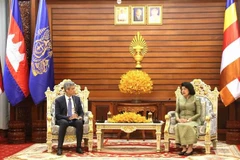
128,128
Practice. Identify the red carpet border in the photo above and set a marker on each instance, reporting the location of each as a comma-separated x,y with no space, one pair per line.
10,149
127,150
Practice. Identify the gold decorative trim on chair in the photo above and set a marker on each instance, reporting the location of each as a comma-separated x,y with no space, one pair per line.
52,129
208,129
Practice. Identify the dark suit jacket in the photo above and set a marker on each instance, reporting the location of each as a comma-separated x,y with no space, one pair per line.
61,107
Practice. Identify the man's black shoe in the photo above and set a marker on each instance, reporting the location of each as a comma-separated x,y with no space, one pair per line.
59,151
79,150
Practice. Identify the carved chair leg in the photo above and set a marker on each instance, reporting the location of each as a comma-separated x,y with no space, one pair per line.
85,142
90,146
49,146
207,147
166,145
90,142
214,142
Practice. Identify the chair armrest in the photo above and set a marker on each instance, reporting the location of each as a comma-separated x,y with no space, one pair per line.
167,124
172,117
211,124
50,119
88,116
49,124
171,113
170,120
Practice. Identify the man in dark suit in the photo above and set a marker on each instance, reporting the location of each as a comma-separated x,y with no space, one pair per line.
69,112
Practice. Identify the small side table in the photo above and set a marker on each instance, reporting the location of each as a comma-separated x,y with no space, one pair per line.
143,108
128,128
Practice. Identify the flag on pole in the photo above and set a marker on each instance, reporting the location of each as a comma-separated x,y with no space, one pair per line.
1,80
41,72
230,66
16,73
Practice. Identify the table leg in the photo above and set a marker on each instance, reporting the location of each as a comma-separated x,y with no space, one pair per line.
99,139
128,136
143,135
158,139
102,138
119,134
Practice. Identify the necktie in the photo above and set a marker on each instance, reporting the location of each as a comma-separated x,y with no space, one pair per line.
69,107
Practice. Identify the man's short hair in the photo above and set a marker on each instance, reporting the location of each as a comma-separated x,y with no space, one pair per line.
68,84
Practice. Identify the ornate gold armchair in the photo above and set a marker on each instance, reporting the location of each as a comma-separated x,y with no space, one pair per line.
52,129
208,129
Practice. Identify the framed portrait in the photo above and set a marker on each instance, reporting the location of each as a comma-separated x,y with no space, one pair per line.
138,15
154,15
121,15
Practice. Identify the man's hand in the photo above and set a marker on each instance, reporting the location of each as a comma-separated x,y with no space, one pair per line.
74,116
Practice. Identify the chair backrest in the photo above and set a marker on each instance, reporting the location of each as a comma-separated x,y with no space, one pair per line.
59,91
208,98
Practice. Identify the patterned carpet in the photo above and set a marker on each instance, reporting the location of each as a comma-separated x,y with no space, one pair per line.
10,149
127,150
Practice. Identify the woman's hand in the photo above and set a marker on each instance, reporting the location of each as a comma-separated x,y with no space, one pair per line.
189,119
182,120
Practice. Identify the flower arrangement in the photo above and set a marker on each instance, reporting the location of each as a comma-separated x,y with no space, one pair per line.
128,117
135,82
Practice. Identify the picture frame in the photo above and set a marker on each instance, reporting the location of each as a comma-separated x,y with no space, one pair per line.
121,15
154,15
138,15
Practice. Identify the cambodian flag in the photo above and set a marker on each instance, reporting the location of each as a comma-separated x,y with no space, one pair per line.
16,73
41,72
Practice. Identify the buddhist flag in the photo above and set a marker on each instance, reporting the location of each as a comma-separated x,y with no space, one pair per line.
230,66
16,73
1,80
41,72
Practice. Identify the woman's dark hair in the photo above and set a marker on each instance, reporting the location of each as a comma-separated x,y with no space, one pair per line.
189,86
